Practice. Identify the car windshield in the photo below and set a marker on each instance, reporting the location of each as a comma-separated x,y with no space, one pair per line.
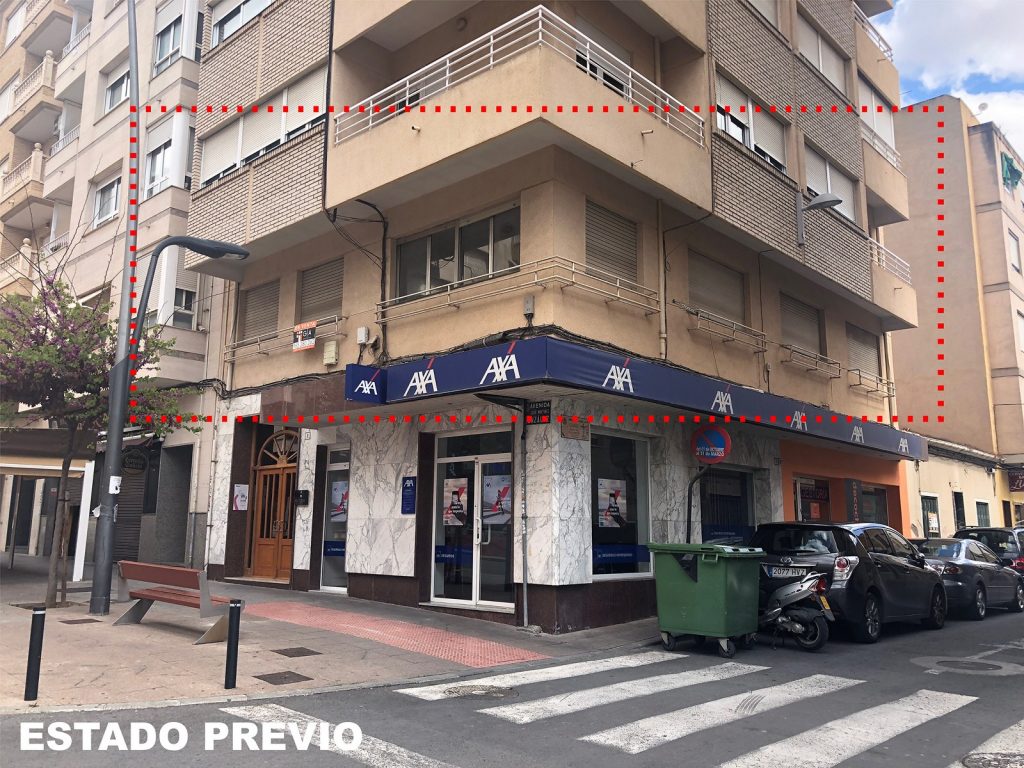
997,541
788,541
939,548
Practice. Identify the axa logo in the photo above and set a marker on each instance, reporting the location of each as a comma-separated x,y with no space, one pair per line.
422,383
904,445
500,369
367,387
858,435
799,421
620,377
723,402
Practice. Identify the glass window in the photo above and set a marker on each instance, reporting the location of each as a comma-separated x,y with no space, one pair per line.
412,266
443,267
168,46
7,98
878,116
768,9
619,505
157,161
15,23
987,555
780,540
943,548
875,540
758,131
475,249
235,18
1014,251
930,513
982,509
822,54
117,91
1020,331
505,253
823,176
107,201
184,315
333,573
900,546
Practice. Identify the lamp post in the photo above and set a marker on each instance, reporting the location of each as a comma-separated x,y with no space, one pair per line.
828,200
119,384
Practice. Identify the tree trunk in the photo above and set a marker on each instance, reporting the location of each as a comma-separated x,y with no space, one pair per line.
60,521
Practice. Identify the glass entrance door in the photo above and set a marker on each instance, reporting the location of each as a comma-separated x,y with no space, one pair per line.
333,574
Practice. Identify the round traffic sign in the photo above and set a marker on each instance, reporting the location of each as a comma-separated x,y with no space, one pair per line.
710,444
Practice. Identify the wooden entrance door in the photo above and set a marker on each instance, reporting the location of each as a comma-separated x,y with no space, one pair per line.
272,525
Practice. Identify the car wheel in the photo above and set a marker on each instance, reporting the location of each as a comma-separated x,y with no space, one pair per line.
979,605
869,629
936,609
1017,605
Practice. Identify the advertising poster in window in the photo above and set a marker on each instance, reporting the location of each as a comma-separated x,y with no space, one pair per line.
339,501
497,500
611,503
455,494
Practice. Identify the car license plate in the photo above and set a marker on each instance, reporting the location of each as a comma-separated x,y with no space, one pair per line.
777,572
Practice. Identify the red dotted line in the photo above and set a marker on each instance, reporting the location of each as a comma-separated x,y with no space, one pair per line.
543,108
940,264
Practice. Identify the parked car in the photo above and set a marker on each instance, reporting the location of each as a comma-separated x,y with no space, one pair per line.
875,575
1007,543
973,575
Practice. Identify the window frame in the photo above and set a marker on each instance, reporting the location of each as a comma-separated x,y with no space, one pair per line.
246,11
186,306
172,55
156,186
924,514
978,504
1014,251
830,166
124,78
878,349
637,438
19,13
822,345
727,123
819,62
1020,330
97,220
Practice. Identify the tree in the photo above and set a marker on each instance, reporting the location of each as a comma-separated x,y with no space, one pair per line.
55,357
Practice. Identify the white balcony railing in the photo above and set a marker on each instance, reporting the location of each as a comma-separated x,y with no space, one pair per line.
538,27
811,362
871,382
883,147
889,261
873,33
55,244
65,139
41,76
75,41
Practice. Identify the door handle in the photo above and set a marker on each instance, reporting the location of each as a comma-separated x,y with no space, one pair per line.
488,536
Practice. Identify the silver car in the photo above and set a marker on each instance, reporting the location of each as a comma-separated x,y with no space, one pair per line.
973,576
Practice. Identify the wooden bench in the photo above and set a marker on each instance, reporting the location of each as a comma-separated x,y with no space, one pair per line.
178,586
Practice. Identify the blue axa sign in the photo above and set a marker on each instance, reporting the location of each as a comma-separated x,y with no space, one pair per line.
365,383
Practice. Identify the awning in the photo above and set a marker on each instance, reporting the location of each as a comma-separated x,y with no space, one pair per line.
40,452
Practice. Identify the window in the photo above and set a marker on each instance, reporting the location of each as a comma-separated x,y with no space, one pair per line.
459,253
108,198
716,288
801,325
611,244
184,315
256,133
168,42
7,99
619,505
930,515
823,176
982,510
157,168
231,15
200,19
96,299
875,540
959,514
769,9
320,291
758,131
1014,251
863,349
878,121
15,23
900,546
1020,330
600,63
189,154
825,58
257,311
117,90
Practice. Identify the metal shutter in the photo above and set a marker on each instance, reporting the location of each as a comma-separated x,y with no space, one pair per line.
222,9
801,325
257,311
817,172
128,528
808,37
159,134
321,291
611,242
731,96
183,279
308,92
262,128
220,151
863,348
716,288
770,135
768,9
844,186
167,14
833,66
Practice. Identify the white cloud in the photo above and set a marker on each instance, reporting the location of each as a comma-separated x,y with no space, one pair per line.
943,42
1005,109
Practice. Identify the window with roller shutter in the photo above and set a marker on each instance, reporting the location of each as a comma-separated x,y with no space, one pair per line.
822,54
308,92
823,176
756,130
863,350
257,311
320,291
716,288
769,9
801,325
611,243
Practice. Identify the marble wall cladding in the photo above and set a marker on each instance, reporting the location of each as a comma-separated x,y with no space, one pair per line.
302,541
220,496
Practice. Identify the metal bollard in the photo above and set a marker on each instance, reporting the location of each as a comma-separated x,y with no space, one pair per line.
234,619
35,653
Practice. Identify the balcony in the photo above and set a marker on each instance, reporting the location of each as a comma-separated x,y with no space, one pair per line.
888,197
33,106
281,340
69,84
59,180
870,383
48,25
874,58
58,243
72,49
22,204
542,76
65,140
891,288
874,7
724,329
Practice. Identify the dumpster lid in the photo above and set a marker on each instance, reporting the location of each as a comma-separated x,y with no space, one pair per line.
725,550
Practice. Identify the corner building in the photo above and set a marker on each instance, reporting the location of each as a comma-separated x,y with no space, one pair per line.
628,264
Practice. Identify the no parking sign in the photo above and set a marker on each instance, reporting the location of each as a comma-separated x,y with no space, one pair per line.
710,444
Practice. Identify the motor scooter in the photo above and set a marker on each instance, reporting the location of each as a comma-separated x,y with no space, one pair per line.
800,609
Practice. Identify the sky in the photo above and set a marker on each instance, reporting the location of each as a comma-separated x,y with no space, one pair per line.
972,49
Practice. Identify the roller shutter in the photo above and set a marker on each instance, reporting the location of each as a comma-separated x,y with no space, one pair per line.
863,348
263,128
833,66
321,291
844,186
731,96
183,278
801,325
817,172
307,92
770,135
166,14
220,151
611,243
716,288
257,311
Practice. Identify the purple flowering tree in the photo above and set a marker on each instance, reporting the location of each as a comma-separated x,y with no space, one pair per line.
55,358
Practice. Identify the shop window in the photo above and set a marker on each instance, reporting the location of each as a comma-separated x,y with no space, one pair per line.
930,516
873,506
726,508
333,573
619,504
812,499
982,510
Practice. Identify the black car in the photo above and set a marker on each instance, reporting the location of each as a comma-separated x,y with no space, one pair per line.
973,576
875,575
1007,543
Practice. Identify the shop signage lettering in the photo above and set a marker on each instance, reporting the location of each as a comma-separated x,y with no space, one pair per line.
365,383
814,492
304,336
620,378
858,435
420,381
621,553
1016,480
134,462
499,369
538,410
710,444
904,445
334,548
408,495
723,402
799,421
854,494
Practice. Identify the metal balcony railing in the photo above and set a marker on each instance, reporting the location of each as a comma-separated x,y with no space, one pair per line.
40,77
537,27
281,339
882,146
724,328
871,382
811,362
873,33
66,138
75,41
889,261
553,271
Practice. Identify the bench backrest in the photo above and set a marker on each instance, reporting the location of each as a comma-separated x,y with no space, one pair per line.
168,575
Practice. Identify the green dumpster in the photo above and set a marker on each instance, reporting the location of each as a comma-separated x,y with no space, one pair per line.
706,590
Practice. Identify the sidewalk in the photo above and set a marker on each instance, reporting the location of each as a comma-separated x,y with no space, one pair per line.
290,642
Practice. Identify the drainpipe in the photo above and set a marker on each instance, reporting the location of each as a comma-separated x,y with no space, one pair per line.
662,289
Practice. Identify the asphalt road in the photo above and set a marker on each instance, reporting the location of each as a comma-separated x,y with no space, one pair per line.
917,698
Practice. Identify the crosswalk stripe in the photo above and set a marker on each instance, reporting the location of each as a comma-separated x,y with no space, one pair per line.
839,740
372,752
546,674
1008,743
641,735
576,701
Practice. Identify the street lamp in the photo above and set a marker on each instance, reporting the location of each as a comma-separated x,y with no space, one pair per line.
828,200
120,379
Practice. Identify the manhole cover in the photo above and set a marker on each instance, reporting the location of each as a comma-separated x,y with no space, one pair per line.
79,621
283,678
295,653
974,666
993,760
488,691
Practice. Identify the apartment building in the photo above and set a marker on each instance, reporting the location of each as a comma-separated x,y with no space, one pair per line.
982,302
516,206
64,204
